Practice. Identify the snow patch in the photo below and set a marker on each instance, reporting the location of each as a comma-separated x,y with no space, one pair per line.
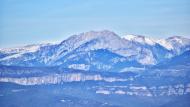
103,92
119,92
79,66
133,69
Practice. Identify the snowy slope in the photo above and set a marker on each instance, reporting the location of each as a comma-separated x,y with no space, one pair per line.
18,51
31,55
151,52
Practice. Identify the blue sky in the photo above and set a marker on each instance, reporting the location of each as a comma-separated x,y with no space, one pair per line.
38,21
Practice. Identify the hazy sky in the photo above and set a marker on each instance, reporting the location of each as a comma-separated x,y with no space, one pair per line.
36,21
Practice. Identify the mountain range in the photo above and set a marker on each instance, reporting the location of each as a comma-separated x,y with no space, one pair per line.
100,51
97,69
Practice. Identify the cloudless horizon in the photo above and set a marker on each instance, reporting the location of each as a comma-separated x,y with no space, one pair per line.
38,21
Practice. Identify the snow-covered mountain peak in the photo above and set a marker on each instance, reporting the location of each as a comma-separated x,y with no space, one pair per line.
97,35
178,40
102,37
87,36
175,43
87,41
140,39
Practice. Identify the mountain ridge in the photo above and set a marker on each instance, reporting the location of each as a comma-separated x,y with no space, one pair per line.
134,48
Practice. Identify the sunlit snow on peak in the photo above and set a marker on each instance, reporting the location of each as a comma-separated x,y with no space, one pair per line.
140,39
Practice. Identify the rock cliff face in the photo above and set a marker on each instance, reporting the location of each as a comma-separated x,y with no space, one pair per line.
132,90
59,78
153,91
